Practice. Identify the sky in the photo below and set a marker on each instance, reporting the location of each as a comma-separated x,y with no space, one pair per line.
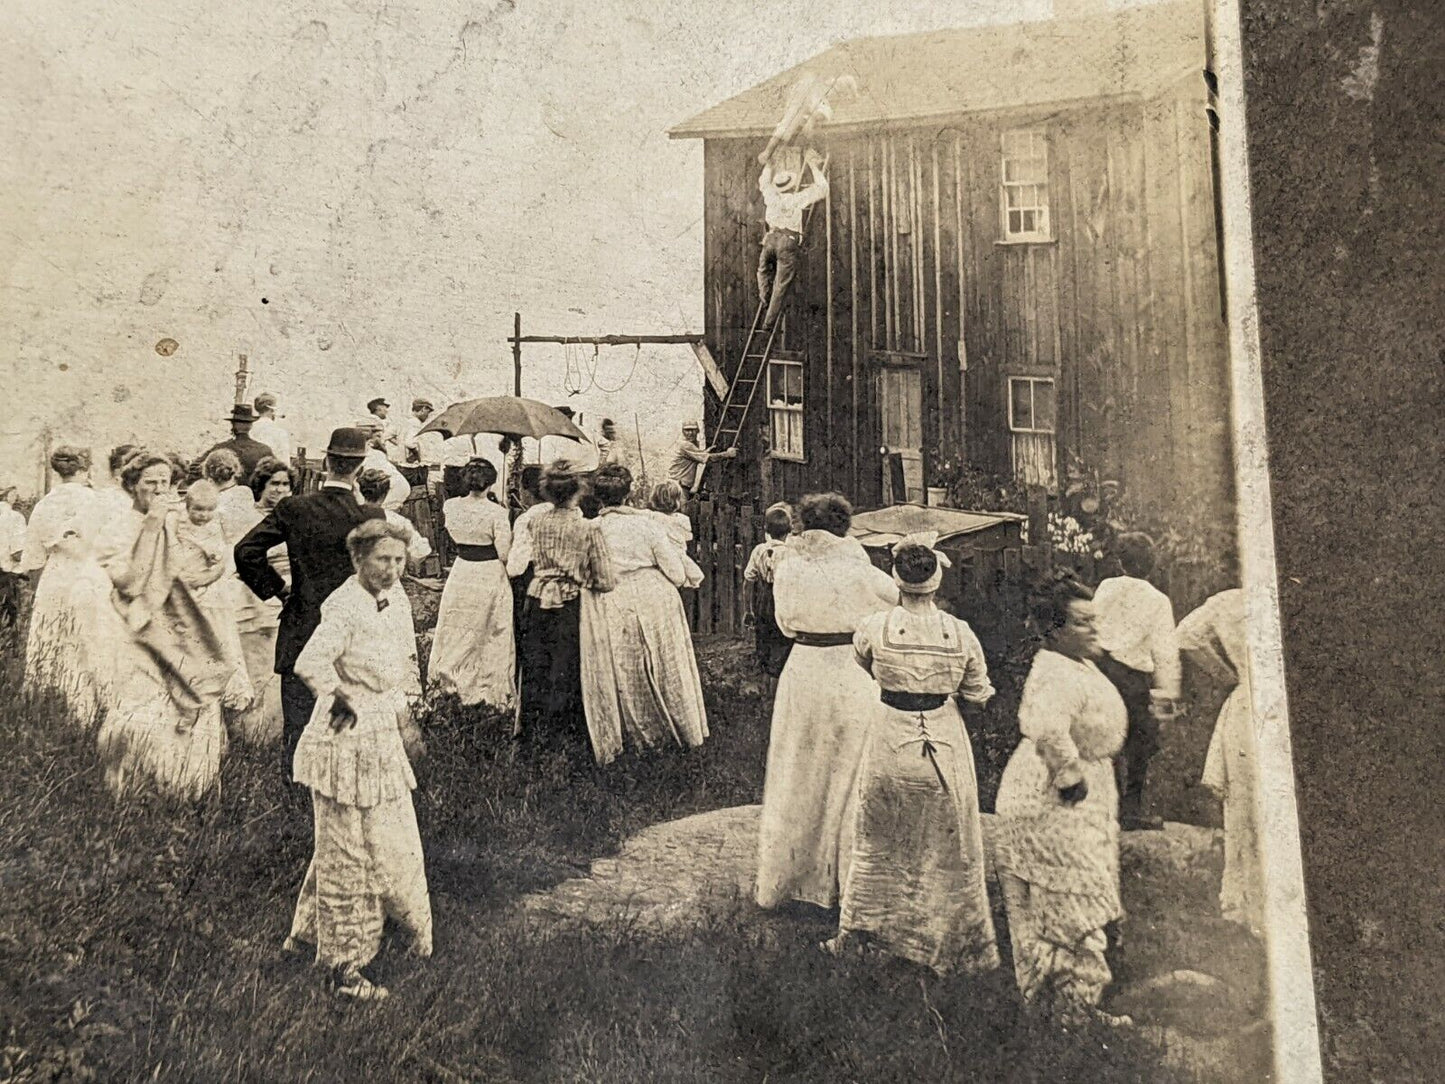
357,195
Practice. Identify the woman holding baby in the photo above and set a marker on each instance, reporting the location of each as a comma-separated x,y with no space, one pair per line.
168,663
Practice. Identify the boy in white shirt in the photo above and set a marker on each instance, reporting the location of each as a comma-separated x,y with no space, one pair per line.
1135,622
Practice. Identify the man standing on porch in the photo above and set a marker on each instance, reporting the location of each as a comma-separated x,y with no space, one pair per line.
784,204
687,457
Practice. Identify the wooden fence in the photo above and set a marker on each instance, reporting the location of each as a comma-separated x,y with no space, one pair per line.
725,530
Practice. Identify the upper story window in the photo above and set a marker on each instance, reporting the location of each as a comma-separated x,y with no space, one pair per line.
1024,186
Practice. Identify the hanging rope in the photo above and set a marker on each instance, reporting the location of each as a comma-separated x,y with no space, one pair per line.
636,357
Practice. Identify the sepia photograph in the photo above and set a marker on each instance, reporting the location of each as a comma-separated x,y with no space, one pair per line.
632,541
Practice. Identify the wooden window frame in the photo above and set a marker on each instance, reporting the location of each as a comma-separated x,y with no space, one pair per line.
1031,380
799,456
1038,152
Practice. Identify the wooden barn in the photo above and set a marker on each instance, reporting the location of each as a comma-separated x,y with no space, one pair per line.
1017,265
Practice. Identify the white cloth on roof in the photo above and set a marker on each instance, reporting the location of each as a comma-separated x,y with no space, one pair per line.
1135,622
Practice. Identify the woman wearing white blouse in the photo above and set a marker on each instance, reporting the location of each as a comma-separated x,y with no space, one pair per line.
473,651
354,755
915,884
822,592
1057,845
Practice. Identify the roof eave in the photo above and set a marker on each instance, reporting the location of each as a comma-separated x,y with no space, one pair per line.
914,120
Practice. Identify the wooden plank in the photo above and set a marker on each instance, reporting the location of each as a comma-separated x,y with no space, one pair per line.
715,379
960,244
725,589
853,316
828,316
938,302
707,560
872,245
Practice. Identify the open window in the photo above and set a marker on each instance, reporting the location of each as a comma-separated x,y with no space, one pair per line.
785,408
1024,186
1032,414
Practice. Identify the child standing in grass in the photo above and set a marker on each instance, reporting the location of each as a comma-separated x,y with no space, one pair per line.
355,757
771,645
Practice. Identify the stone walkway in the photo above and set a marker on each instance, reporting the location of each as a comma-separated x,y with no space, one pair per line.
677,873
1192,982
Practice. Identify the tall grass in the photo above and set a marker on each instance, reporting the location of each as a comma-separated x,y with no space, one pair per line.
140,941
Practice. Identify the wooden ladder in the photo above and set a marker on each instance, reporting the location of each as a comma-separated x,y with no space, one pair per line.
752,372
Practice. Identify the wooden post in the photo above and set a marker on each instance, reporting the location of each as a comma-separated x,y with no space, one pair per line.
517,354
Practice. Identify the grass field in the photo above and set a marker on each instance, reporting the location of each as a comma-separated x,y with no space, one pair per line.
141,941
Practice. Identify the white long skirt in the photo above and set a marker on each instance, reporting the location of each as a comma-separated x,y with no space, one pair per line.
1232,768
68,649
473,651
824,703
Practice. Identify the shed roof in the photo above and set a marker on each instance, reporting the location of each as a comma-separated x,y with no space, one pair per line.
1128,53
885,526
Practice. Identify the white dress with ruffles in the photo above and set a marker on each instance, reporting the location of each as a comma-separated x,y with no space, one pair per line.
1058,862
367,865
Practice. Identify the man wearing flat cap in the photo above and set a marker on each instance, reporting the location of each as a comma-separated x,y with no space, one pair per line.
245,447
687,457
380,410
422,449
313,528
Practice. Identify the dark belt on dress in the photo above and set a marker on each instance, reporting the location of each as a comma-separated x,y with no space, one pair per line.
822,639
919,702
476,553
903,701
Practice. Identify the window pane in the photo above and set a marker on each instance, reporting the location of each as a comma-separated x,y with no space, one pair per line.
1015,223
795,433
779,430
1010,170
1044,405
795,385
1020,414
1027,218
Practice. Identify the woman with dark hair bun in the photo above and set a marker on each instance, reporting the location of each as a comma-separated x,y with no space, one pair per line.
1057,844
473,652
568,556
822,590
64,647
640,676
915,885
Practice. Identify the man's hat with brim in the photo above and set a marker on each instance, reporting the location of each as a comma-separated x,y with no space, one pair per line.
376,403
783,179
242,412
348,442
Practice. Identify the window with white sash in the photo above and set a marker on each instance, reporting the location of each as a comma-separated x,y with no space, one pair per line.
1032,414
1024,186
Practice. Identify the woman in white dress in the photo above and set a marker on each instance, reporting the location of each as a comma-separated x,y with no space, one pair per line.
355,756
639,674
1057,843
163,726
1214,636
257,620
822,592
65,649
473,650
915,886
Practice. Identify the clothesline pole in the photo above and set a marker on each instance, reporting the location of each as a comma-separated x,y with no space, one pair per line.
517,354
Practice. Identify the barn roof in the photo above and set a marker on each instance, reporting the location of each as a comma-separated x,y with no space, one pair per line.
1128,53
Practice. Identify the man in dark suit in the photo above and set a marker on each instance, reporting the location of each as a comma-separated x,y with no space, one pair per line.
247,450
313,527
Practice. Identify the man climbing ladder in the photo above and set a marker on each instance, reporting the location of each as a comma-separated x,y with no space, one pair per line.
785,204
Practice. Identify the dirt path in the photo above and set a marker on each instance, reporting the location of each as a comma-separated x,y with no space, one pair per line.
1194,980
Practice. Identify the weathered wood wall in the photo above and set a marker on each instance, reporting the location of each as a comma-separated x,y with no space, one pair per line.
1122,306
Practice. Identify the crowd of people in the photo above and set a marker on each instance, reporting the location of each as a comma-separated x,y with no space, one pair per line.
192,603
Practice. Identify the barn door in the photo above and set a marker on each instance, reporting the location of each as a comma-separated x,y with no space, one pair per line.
900,403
